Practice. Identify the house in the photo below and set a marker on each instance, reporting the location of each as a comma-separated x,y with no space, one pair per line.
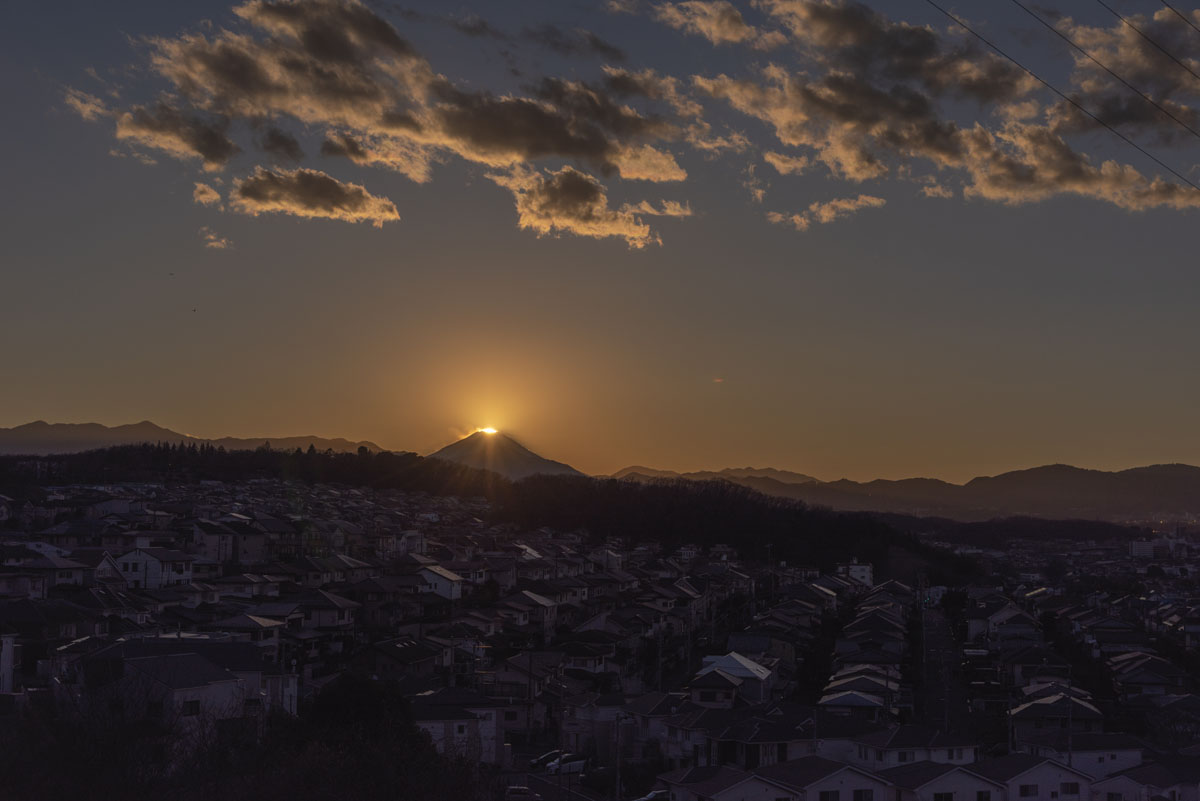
1055,712
182,690
906,744
156,568
460,724
755,681
1166,778
1097,754
1028,776
721,783
442,582
930,781
814,777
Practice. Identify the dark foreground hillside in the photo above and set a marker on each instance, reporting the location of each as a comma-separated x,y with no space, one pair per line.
669,512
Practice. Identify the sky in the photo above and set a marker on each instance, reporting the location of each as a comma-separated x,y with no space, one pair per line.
839,238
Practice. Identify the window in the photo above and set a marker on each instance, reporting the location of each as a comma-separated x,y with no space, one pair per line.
828,795
706,695
190,708
983,795
1069,788
864,795
1028,791
943,797
905,756
461,728
510,715
1114,797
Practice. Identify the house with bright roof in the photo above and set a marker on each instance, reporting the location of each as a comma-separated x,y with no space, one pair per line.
755,681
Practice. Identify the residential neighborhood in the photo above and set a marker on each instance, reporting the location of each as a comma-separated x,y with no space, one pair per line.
218,605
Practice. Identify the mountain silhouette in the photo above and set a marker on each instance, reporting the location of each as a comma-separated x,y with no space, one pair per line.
501,454
730,473
42,438
1168,491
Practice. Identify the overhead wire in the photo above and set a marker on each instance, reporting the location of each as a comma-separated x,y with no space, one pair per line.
1078,106
1181,15
1105,67
1145,36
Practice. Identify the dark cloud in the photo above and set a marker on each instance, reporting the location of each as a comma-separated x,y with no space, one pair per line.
309,193
182,135
1142,65
343,146
569,201
281,143
853,37
572,43
329,30
473,25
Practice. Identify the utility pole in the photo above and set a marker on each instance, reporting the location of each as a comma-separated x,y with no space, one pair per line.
617,777
1070,696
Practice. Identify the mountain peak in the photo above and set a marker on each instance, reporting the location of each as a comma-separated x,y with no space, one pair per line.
489,449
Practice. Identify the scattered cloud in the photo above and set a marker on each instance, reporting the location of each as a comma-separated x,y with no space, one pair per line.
87,106
786,165
570,201
857,95
179,134
214,240
205,195
718,21
647,163
826,212
309,193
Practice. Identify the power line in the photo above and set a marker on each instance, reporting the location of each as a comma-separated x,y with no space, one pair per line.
1160,48
1181,15
1066,97
1104,67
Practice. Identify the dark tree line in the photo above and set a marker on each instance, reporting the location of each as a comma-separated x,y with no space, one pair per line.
357,740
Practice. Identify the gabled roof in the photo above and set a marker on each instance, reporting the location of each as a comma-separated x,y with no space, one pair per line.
735,664
1007,768
708,780
715,680
179,671
801,773
918,774
1057,706
162,554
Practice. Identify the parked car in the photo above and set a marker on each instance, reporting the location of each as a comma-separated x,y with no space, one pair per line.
654,795
518,793
567,763
545,759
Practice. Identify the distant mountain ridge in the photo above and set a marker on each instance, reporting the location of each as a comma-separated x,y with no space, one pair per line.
501,454
40,438
1051,491
782,476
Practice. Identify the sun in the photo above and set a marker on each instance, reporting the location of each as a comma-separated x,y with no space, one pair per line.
488,430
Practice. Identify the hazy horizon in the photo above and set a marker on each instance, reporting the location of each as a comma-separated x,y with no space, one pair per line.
632,462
